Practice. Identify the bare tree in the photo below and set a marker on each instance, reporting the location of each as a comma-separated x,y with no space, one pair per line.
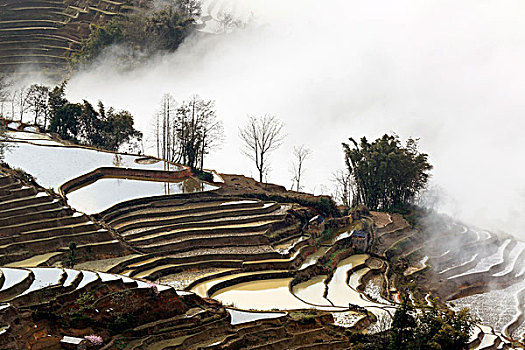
21,102
186,133
164,127
300,154
344,187
4,93
261,136
12,100
197,130
36,98
227,23
212,130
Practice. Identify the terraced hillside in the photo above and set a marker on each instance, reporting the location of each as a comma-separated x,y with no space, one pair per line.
287,277
37,228
42,34
131,314
467,266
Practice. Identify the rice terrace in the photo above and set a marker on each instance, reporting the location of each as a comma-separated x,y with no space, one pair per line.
224,174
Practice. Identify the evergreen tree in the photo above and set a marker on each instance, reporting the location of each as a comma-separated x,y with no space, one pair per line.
386,174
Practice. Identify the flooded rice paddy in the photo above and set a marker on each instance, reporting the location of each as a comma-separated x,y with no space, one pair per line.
52,163
240,317
273,294
106,192
496,308
12,277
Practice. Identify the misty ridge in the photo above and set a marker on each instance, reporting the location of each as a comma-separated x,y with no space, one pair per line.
352,68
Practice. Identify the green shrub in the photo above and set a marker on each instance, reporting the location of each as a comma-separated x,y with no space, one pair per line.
325,205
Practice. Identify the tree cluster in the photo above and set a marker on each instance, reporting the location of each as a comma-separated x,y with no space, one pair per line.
78,122
432,328
385,174
143,32
187,132
81,123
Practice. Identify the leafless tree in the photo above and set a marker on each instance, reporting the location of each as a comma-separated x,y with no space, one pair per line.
164,127
261,136
344,187
187,132
36,98
212,130
300,155
197,130
22,102
228,23
13,97
4,92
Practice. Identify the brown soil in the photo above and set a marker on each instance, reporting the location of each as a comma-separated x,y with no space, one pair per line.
391,233
380,219
238,185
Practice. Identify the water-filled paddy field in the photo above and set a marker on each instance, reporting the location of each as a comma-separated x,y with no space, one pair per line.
107,192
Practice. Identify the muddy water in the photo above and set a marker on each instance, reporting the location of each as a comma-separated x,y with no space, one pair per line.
341,293
285,247
201,289
312,291
261,295
488,338
265,295
353,282
312,259
33,261
340,235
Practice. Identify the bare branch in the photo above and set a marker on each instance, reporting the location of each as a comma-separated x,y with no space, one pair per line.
261,136
300,154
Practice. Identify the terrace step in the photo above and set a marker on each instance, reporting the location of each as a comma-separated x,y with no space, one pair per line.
24,202
7,180
205,225
213,241
40,225
53,213
43,244
193,315
30,209
214,212
163,270
480,251
19,192
166,208
492,261
43,278
232,229
15,282
37,260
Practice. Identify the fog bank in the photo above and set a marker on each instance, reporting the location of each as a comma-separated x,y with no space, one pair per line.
448,72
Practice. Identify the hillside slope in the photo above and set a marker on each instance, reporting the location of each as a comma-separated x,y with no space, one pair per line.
40,35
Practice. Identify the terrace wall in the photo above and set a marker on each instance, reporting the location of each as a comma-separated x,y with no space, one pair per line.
126,173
